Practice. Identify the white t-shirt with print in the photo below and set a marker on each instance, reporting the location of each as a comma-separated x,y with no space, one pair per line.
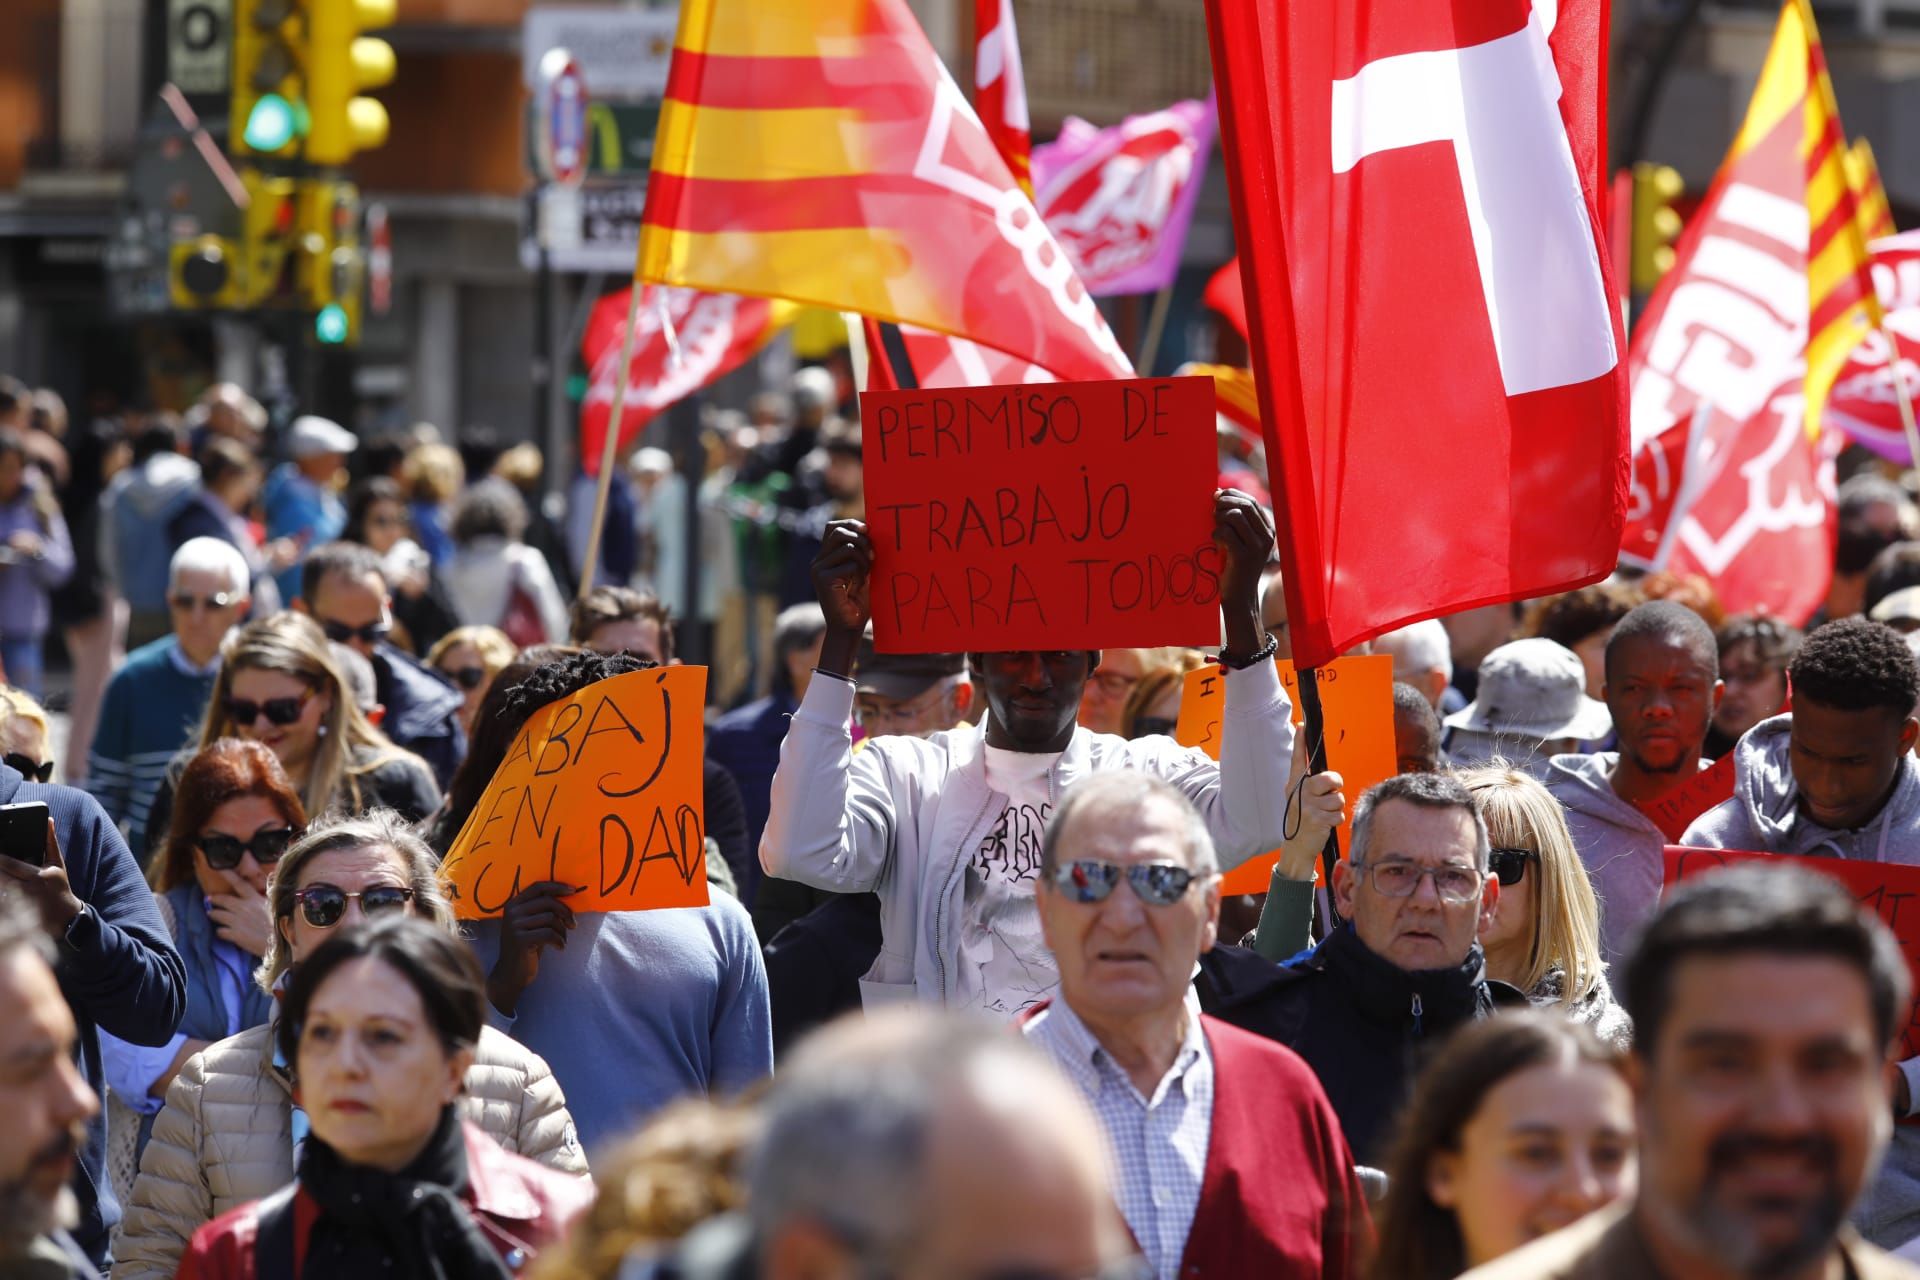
1005,966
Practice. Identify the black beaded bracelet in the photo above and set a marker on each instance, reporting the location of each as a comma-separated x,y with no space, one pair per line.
1264,653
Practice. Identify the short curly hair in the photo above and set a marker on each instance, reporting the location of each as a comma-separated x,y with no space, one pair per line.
1573,616
562,678
1854,664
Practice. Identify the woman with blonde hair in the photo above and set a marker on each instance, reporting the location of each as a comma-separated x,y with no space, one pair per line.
26,736
471,657
280,685
1544,934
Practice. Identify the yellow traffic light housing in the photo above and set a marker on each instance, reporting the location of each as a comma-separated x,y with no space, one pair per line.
215,272
268,107
331,269
341,62
1656,224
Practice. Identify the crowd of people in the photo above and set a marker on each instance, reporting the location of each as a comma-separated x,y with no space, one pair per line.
969,998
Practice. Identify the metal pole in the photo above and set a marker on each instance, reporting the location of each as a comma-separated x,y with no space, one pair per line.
1314,730
683,436
543,415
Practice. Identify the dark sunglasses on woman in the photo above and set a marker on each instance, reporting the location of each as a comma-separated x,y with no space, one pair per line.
224,852
367,633
1509,865
323,904
466,677
278,711
26,768
1158,884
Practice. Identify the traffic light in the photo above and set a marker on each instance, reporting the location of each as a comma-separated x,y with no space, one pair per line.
230,272
341,62
269,110
1656,224
331,271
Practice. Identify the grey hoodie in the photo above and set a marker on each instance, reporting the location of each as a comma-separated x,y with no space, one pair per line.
1764,816
1619,845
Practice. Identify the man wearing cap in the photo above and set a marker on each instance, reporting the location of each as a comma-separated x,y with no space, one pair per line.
1531,706
1900,610
915,695
1662,686
301,497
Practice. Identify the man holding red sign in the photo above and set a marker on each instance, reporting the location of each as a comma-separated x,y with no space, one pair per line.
947,830
1836,777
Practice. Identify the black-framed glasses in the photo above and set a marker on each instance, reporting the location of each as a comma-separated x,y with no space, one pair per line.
367,633
278,711
223,852
187,603
323,904
1158,884
466,677
1509,865
1400,879
27,768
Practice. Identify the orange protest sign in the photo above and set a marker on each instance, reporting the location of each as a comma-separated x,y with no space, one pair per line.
1890,890
601,789
1060,515
1356,698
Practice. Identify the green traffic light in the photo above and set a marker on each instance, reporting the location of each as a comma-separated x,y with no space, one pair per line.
330,325
270,125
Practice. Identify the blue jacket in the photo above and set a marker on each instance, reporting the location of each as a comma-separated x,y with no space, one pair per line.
118,969
25,584
747,742
423,711
140,503
298,508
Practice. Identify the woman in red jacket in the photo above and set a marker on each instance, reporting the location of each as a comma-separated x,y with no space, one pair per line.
380,1024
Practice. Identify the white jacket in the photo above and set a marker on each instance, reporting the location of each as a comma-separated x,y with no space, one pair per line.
480,580
902,817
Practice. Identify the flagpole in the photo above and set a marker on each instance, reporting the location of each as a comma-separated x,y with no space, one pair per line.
1900,394
612,443
1314,731
1156,325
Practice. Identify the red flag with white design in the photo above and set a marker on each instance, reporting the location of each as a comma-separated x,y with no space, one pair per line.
1417,203
1000,87
1865,402
714,333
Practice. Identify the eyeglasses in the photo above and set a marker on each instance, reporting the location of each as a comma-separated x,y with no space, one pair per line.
872,714
279,711
26,768
1455,884
1158,884
224,852
191,604
466,677
369,633
1112,683
324,904
1509,865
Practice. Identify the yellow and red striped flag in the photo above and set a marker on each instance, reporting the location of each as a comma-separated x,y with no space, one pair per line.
1842,305
821,152
1876,214
1000,87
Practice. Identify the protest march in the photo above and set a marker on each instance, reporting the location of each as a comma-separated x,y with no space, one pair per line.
1000,734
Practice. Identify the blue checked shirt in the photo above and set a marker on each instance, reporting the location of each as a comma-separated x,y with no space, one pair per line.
1158,1145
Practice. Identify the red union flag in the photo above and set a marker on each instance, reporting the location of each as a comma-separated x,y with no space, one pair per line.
1416,200
1734,359
715,333
1865,401
939,360
820,152
1120,200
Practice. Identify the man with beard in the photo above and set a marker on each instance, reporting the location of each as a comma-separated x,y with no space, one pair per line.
46,1103
1765,1005
1662,686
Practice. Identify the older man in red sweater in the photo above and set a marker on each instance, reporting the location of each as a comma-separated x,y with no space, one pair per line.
1229,1160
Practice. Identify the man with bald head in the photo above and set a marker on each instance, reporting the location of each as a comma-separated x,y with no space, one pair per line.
921,1145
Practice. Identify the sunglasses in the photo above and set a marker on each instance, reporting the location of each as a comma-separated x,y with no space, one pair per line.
1509,865
323,904
370,633
188,604
466,677
27,768
224,852
279,711
1158,884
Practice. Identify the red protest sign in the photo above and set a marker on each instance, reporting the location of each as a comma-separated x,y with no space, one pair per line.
1068,515
1890,890
1675,811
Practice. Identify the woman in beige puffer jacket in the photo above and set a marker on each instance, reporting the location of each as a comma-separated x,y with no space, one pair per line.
225,1137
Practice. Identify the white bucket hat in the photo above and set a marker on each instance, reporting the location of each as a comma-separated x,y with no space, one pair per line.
1533,689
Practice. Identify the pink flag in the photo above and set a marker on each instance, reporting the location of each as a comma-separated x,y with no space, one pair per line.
1120,200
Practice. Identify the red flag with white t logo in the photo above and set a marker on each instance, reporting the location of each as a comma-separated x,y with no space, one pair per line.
1416,200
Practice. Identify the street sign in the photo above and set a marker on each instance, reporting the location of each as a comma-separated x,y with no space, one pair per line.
594,228
199,44
563,119
379,260
619,137
623,53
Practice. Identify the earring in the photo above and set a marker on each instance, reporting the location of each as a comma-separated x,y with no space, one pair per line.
323,731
